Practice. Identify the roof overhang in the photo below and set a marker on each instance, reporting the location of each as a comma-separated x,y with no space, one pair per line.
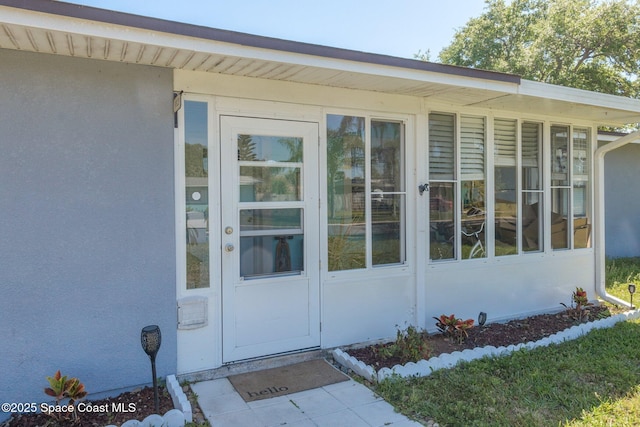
67,29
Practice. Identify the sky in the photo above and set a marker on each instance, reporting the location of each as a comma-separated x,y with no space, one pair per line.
399,28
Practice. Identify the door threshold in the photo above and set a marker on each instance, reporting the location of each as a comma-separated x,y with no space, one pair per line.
256,364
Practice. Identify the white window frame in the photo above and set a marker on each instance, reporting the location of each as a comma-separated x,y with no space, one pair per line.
407,123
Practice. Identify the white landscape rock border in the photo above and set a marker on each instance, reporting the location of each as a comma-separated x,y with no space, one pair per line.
424,368
177,417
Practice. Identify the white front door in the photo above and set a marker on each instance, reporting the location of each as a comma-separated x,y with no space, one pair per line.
270,237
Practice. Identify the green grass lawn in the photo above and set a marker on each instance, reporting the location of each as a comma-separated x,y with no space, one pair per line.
591,381
619,273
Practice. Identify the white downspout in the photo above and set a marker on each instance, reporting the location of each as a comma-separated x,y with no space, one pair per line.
599,247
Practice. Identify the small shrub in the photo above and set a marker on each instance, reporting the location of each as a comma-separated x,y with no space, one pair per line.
410,346
453,327
579,308
61,388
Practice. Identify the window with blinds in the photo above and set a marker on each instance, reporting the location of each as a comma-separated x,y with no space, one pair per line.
442,192
531,148
472,141
505,152
505,142
441,146
472,188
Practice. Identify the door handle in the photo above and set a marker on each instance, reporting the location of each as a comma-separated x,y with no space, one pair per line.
229,247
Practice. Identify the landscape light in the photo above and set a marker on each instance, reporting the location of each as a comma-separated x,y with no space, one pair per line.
150,338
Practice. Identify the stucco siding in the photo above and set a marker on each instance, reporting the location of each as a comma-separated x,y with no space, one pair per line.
87,246
622,199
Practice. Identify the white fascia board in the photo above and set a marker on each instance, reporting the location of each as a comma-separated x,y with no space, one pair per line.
578,96
87,28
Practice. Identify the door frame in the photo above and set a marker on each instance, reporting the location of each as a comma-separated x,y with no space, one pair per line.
284,329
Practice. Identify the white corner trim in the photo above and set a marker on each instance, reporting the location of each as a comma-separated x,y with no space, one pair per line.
599,215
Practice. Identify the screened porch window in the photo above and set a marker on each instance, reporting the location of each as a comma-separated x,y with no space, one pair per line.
518,188
442,186
472,177
532,189
366,194
448,238
570,187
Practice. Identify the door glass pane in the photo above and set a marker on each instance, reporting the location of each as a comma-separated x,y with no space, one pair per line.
346,203
272,254
268,183
197,194
270,168
265,220
442,225
271,241
261,148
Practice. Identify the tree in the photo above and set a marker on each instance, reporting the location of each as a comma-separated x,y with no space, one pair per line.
586,44
246,148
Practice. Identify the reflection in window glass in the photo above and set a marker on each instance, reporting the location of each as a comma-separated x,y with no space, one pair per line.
559,214
252,220
560,187
387,180
260,148
268,255
442,225
267,183
506,206
271,242
387,229
366,193
532,193
270,168
559,155
346,204
532,215
581,188
197,194
472,219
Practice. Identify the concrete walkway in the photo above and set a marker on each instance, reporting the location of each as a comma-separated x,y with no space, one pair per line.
347,403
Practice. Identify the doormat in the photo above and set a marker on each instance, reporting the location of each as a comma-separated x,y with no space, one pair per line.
286,380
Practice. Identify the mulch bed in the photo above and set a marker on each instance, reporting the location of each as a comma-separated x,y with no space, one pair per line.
141,401
496,334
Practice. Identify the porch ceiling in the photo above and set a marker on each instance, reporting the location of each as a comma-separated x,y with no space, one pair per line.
71,30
